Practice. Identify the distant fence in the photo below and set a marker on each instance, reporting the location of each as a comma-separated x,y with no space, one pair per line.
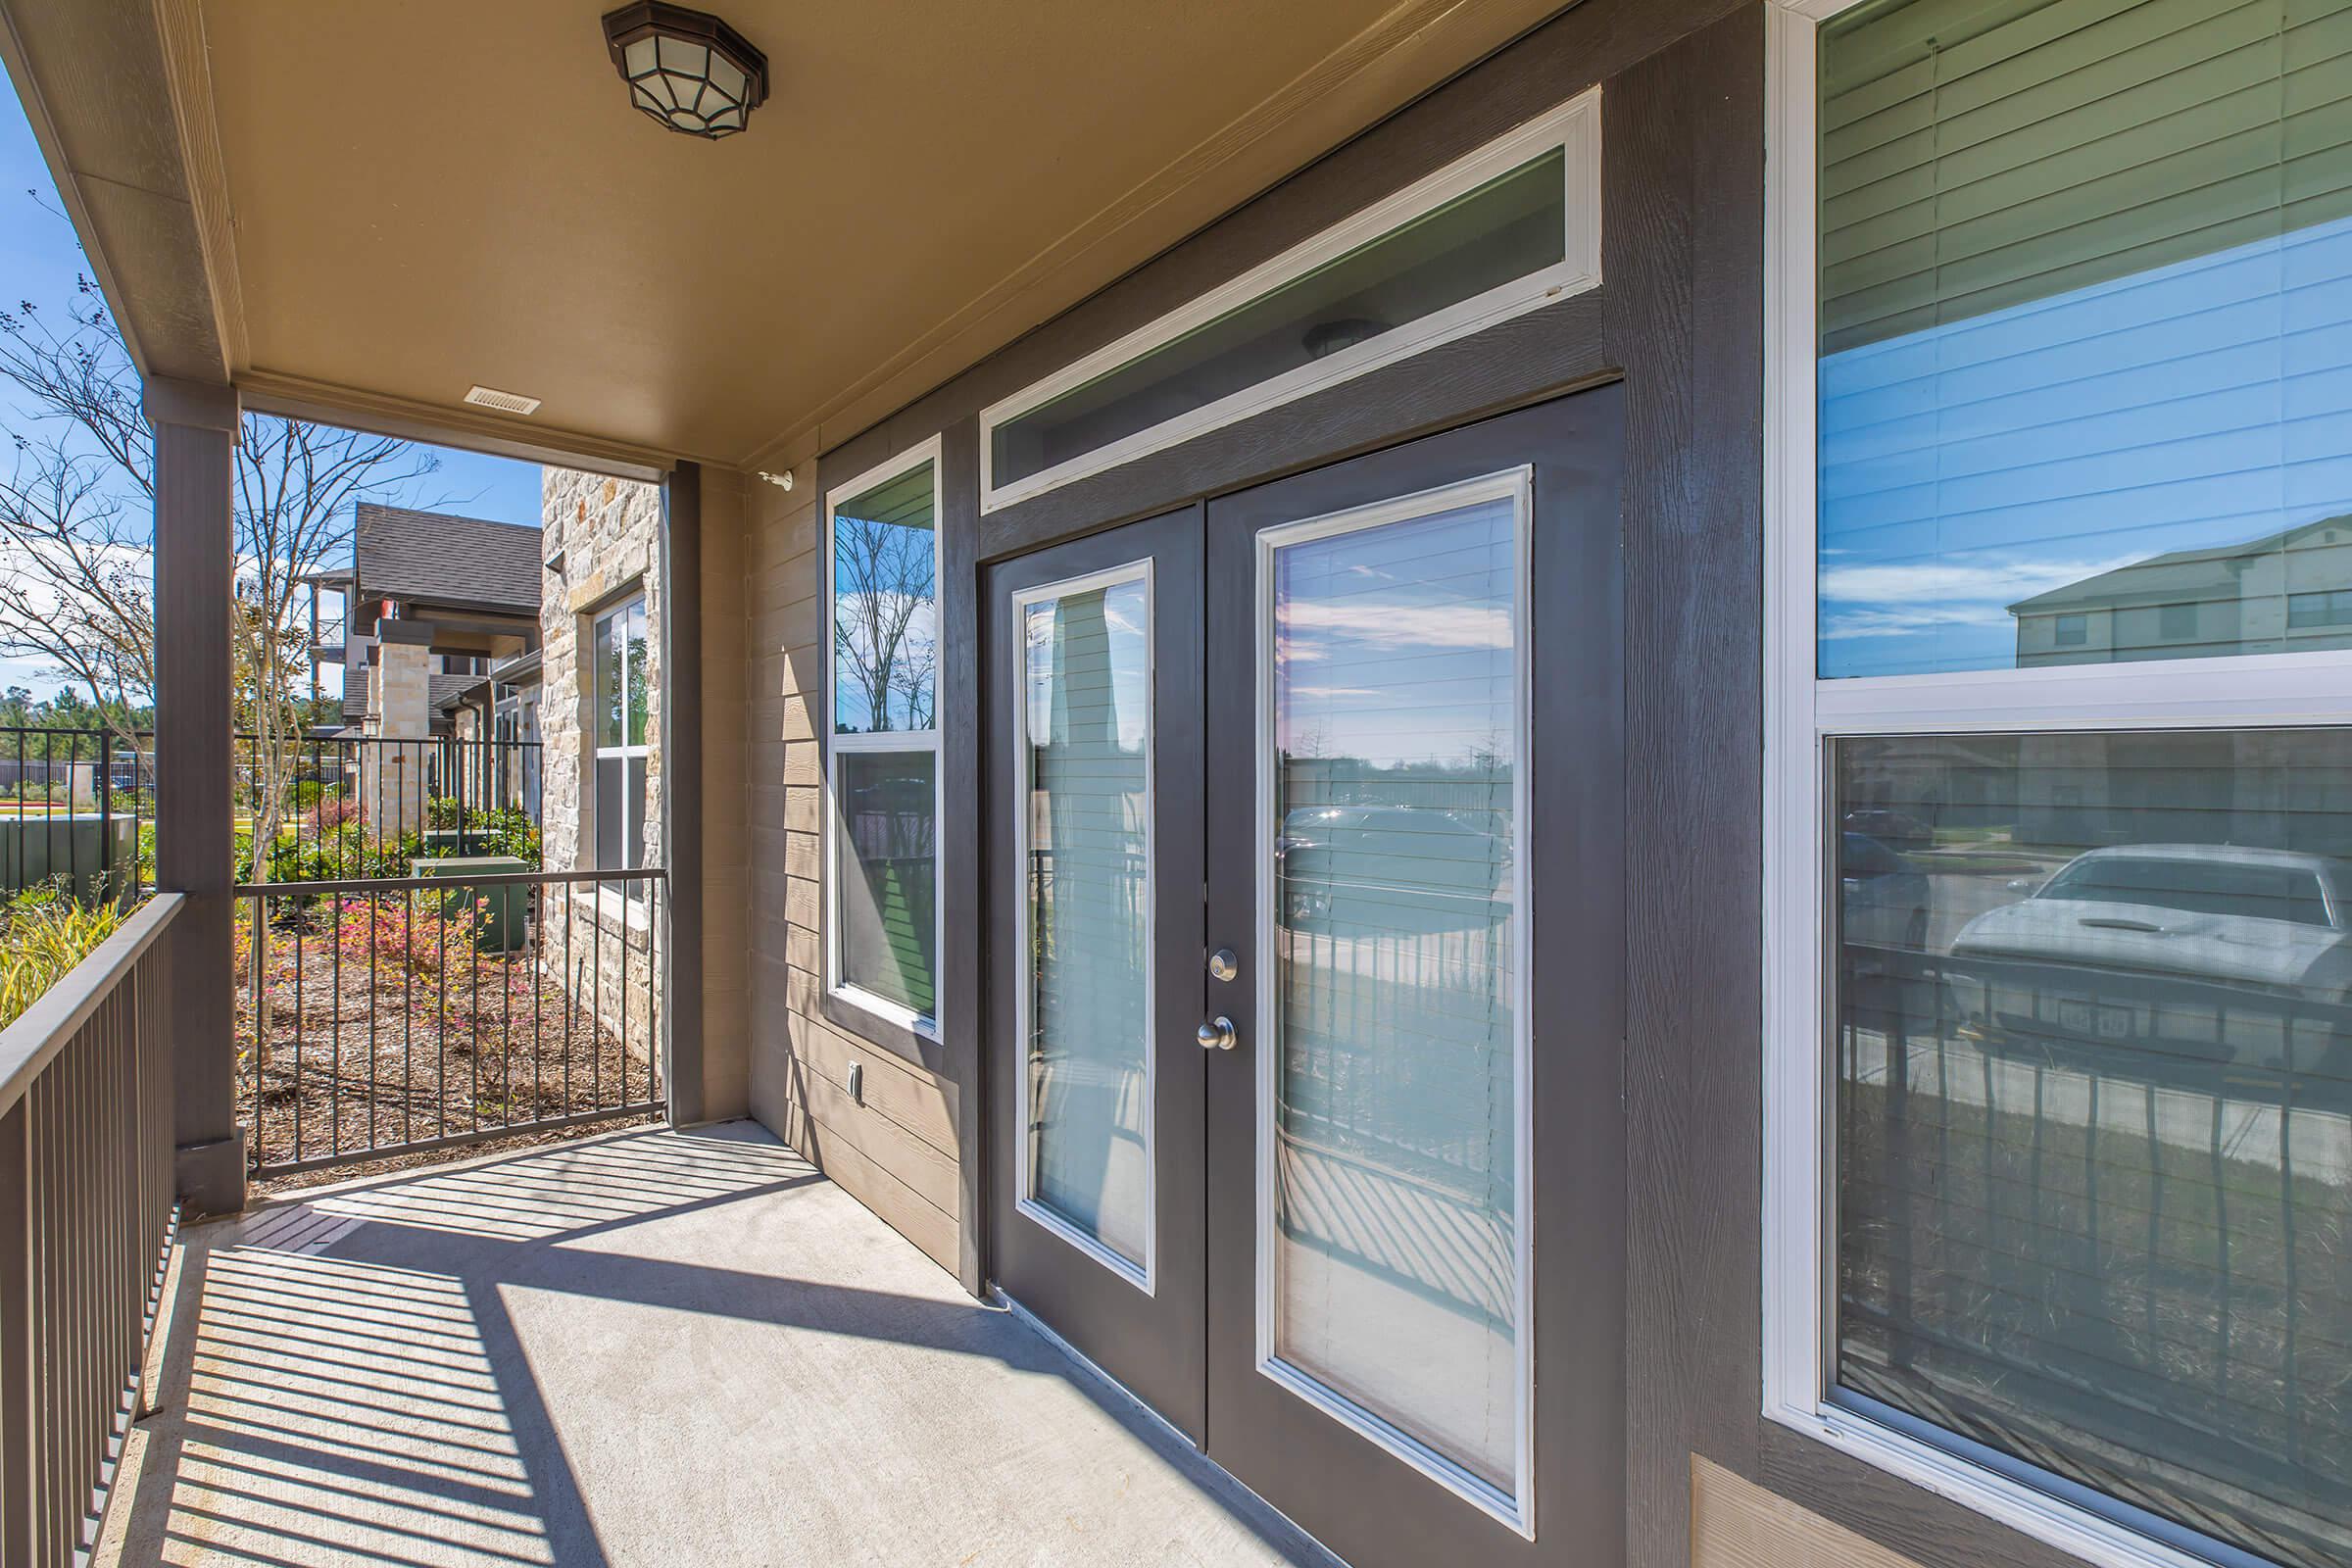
74,809
77,807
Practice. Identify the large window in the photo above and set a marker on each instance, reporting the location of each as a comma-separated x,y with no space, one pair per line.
618,654
882,809
2059,817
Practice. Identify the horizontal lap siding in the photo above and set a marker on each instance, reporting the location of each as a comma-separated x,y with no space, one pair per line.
893,1147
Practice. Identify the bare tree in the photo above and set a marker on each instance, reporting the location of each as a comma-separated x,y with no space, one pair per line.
76,532
883,630
297,490
76,587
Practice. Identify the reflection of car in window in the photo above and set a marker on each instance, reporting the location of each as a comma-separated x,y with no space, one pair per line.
2154,932
1390,867
1882,902
1887,825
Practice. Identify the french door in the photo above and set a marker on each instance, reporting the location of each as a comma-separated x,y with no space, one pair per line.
1307,809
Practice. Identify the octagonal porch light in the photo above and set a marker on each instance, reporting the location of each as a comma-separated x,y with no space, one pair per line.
686,69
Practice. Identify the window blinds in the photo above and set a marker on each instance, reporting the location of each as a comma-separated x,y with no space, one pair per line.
1980,154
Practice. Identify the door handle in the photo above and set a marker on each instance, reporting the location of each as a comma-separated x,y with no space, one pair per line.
1216,1034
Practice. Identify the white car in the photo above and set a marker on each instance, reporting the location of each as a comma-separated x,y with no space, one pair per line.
2205,952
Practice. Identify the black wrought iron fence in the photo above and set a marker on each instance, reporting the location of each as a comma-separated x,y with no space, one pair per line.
76,810
78,805
366,806
384,1015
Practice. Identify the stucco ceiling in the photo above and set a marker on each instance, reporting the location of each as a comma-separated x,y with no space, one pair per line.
425,194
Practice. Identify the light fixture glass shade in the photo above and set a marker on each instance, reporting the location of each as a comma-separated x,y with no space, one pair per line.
686,69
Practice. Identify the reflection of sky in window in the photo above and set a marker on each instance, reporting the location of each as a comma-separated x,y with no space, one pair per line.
1974,465
1394,644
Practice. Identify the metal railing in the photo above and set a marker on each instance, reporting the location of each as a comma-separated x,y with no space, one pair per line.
391,1015
78,805
2103,1197
348,803
75,807
87,1224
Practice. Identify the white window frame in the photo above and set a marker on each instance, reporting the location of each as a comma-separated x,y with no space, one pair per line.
613,900
1146,1275
838,744
1515,1510
1802,715
1573,127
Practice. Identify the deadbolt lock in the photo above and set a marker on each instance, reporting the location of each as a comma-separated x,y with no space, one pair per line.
1223,965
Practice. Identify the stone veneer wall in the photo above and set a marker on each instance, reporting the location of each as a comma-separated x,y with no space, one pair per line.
610,533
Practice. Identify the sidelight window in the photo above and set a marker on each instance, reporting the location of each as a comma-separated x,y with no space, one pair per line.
2058,839
882,795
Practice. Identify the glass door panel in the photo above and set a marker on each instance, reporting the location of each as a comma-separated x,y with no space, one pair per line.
1393,1245
1085,848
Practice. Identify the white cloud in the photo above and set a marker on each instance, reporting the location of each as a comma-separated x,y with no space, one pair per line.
1942,582
1378,624
1902,601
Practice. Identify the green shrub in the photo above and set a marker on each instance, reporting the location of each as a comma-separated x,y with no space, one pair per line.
44,933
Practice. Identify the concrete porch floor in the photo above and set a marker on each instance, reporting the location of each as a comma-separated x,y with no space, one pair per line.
646,1348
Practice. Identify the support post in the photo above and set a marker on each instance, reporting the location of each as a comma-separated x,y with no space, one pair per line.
195,426
682,787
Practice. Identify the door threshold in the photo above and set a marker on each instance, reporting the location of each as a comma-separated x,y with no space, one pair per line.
1270,1521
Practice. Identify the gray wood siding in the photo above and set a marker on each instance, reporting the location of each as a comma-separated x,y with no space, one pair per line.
894,1148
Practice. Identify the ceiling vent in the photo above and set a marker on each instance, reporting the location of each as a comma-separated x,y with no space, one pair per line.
483,397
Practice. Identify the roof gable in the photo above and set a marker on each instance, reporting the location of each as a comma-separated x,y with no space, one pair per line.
438,555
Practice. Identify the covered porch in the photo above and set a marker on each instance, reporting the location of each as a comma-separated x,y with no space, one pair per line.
647,1347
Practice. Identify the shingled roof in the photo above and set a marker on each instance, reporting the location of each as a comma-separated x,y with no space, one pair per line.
443,559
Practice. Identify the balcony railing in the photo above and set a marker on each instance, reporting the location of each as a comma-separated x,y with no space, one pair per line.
86,1222
395,1015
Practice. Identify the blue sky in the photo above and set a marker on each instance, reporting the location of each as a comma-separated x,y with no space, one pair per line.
39,259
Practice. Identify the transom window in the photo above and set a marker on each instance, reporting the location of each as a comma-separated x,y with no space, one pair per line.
882,818
2060,783
1510,226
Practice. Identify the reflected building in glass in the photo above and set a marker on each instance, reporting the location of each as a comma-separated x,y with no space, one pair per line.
2289,593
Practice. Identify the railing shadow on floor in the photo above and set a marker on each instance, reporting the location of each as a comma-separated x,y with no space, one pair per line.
346,1380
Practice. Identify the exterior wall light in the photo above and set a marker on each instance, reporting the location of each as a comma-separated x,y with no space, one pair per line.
686,69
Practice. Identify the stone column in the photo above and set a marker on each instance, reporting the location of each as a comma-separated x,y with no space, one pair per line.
400,724
195,426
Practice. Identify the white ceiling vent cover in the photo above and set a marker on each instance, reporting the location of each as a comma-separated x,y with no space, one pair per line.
504,401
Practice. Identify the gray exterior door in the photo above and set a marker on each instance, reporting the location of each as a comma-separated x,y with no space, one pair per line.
1094,908
1414,839
1382,770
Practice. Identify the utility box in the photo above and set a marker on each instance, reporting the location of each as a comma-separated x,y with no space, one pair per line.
85,849
506,906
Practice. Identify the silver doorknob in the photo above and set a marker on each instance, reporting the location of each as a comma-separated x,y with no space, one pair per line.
1216,1034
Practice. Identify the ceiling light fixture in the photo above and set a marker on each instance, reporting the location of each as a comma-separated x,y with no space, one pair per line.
686,69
